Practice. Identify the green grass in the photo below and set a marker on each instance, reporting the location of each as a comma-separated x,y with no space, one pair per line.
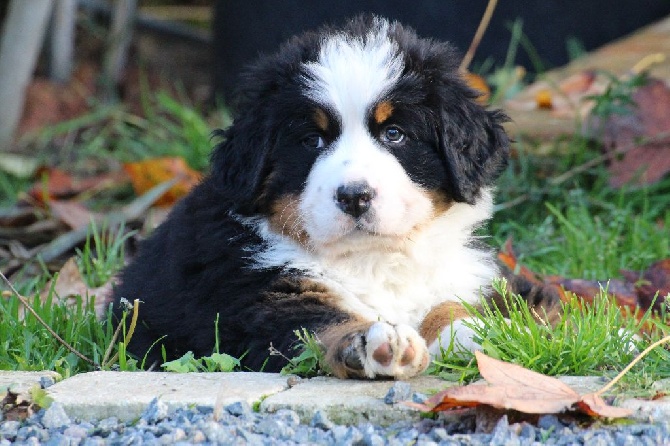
562,219
598,339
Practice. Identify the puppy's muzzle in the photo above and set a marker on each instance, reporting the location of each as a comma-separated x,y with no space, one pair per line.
355,198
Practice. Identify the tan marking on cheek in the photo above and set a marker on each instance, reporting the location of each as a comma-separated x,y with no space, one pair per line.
286,219
440,317
441,203
321,119
383,111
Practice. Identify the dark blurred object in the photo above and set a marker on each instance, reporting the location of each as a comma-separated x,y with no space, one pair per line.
244,29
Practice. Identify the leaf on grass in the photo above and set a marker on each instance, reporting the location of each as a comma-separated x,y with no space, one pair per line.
636,290
643,162
16,407
56,183
146,174
72,213
511,386
70,283
653,285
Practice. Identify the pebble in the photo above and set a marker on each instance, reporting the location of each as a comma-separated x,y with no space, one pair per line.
239,408
156,411
399,391
240,425
55,417
320,420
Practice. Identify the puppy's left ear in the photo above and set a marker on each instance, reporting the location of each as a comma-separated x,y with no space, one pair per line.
474,143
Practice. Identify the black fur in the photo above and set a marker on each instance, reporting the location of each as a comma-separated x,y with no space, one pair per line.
197,264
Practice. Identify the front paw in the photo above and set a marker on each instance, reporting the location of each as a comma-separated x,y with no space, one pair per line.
379,350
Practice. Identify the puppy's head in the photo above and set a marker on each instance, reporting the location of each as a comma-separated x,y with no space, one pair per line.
358,135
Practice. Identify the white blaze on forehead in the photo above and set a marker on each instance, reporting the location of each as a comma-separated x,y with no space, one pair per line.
351,74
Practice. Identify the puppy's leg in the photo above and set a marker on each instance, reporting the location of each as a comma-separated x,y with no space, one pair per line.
444,322
363,349
449,321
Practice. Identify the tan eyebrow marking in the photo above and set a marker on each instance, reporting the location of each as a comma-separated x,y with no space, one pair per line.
321,119
383,111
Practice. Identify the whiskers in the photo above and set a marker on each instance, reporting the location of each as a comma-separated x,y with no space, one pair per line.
291,223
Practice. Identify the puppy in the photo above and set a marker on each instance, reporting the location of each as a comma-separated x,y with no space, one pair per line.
343,200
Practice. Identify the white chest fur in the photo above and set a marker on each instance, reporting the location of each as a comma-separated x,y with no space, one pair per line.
392,280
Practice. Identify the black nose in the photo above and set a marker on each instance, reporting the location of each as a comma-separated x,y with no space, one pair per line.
355,198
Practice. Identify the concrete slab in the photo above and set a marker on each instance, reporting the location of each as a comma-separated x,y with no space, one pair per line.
21,382
98,395
349,401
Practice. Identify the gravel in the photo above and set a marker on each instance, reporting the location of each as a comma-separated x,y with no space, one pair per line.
237,424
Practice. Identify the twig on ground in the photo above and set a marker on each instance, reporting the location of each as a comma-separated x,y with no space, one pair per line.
27,305
639,357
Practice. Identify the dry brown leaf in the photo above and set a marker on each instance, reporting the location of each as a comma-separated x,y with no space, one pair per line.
642,162
70,283
511,386
72,213
636,290
16,407
56,183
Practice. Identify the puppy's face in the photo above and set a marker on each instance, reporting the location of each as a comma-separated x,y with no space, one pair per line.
360,137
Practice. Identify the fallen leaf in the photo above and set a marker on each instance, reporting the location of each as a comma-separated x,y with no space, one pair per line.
72,213
476,82
638,290
57,184
16,407
146,174
652,285
70,283
513,387
543,99
640,162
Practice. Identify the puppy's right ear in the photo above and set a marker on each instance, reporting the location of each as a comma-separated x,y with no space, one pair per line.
238,164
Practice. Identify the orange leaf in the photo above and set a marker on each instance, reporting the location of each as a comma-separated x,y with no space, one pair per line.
476,82
146,174
56,183
543,99
511,386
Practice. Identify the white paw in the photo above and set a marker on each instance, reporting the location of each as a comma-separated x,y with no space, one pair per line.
397,351
460,334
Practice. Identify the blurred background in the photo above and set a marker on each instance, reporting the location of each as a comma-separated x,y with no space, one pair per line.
200,46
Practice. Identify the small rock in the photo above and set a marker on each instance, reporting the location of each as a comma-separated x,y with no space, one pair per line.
320,420
198,437
76,432
501,433
239,408
399,391
156,411
293,380
373,439
288,416
46,382
419,398
547,422
9,429
55,417
272,428
440,434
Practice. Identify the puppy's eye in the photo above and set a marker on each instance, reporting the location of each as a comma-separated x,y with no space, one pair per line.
314,141
392,134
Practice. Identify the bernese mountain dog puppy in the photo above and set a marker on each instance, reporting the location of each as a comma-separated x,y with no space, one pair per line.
343,200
